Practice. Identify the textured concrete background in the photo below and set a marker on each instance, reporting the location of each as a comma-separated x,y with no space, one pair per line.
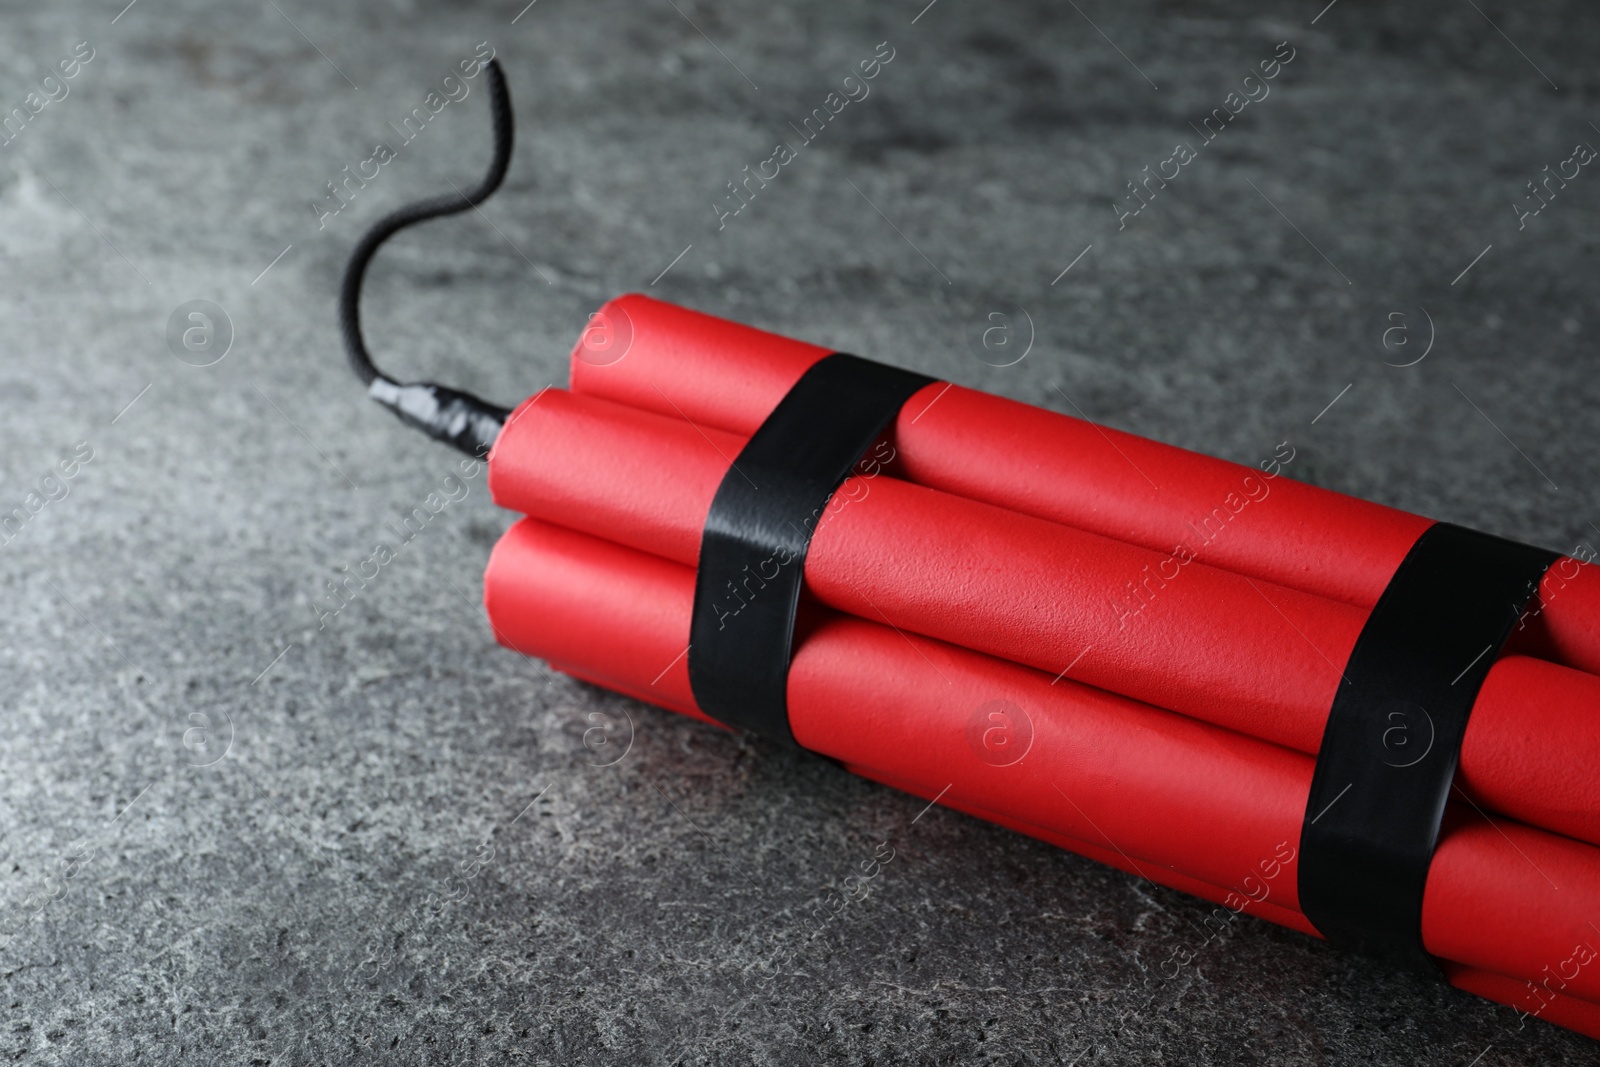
229,837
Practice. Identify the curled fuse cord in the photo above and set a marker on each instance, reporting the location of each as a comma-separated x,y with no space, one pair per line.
450,415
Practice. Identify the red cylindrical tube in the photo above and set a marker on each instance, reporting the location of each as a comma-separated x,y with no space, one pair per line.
723,375
1209,643
1180,801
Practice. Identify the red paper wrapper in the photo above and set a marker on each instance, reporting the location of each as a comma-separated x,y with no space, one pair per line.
719,374
1180,802
1212,644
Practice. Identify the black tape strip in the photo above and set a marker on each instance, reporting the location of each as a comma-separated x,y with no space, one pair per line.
1393,739
752,555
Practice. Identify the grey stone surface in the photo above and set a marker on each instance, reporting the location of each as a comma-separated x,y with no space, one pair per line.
231,837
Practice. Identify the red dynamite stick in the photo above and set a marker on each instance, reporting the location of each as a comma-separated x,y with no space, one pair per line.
1244,654
1179,802
723,375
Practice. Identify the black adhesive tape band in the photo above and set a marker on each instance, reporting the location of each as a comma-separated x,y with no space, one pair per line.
753,551
1393,739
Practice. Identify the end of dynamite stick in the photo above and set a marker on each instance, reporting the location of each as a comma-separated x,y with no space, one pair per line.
645,334
538,590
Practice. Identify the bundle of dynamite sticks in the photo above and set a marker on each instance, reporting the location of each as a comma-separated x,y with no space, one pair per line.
1117,646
